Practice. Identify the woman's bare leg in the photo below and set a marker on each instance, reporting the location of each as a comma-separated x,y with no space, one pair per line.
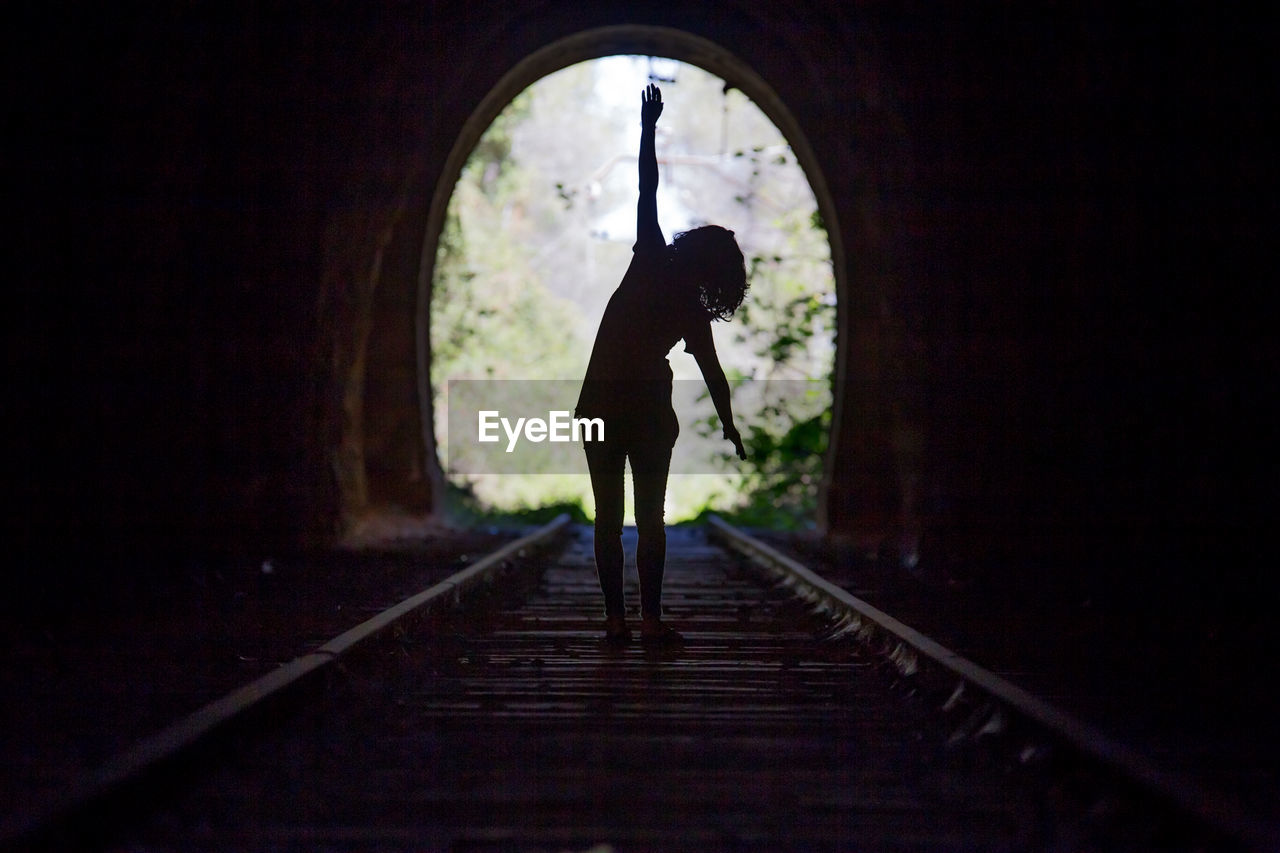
606,464
650,464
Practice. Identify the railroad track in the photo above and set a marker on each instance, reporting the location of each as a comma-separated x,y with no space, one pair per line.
485,713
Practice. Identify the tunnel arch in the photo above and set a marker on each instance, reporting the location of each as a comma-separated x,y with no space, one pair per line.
596,43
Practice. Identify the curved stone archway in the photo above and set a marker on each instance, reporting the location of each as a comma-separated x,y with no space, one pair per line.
847,134
594,44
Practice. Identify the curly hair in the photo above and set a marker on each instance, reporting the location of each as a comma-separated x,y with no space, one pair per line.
710,259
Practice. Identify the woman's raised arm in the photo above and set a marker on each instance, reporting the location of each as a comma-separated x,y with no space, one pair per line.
648,233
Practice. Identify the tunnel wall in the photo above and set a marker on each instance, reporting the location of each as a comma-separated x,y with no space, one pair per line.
1054,352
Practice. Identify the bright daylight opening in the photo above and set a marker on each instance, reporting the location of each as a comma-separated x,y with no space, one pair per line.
539,232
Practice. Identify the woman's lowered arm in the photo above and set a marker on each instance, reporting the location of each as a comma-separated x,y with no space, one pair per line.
718,386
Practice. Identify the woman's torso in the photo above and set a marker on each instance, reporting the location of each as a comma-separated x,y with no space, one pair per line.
645,317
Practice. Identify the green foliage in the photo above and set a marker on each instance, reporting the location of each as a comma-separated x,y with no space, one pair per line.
788,327
784,470
491,312
464,507
781,334
490,166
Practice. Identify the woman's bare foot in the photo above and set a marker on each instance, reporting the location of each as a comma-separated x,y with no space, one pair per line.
616,632
654,633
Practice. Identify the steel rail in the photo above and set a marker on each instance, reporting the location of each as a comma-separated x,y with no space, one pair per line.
184,734
913,652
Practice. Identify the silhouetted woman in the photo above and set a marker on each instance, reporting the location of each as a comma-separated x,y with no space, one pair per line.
668,293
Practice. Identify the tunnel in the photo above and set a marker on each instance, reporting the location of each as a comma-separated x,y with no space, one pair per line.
868,496
1046,226
1051,230
1031,236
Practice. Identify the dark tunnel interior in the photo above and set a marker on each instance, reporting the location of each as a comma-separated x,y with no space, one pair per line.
1055,222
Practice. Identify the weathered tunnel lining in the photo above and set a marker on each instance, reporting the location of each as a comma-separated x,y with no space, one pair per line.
1053,214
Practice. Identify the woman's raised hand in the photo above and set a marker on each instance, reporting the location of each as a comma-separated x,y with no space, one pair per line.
650,105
